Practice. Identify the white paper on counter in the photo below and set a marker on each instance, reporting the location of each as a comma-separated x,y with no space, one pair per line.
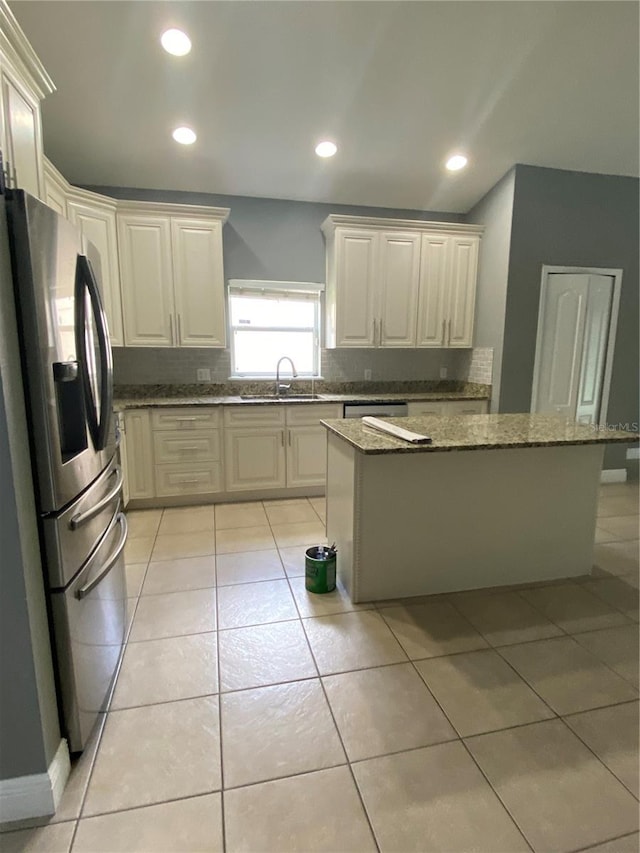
398,432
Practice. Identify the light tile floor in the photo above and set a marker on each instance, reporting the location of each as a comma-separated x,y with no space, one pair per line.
250,715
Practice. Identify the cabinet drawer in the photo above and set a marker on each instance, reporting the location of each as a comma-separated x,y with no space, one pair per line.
188,479
175,446
465,407
187,417
312,414
250,416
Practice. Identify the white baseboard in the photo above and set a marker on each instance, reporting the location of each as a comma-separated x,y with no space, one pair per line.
38,795
614,475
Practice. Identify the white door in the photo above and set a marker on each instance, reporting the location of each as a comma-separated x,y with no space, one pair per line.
356,287
434,263
146,275
198,282
594,348
98,225
572,341
398,289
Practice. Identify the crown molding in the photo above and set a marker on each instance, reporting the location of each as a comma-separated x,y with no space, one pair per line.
18,51
335,220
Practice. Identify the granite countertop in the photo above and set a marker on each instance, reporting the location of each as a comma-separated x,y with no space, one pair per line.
476,432
140,397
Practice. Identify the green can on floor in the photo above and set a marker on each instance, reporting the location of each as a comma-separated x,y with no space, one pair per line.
320,569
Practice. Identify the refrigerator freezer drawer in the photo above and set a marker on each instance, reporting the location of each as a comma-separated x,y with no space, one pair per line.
71,536
89,620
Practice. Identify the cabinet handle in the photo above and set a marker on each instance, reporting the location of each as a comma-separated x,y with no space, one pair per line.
179,334
449,333
374,333
444,333
282,437
289,437
380,333
188,447
186,418
173,340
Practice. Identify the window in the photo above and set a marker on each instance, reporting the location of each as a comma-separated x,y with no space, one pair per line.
270,319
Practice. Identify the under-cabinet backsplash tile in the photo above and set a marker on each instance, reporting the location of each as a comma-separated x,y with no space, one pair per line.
151,366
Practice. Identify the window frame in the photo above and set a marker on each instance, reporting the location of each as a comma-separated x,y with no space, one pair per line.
309,291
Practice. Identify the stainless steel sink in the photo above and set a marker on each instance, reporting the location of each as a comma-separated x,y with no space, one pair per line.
283,399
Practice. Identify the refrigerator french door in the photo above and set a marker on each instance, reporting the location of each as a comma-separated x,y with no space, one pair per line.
67,375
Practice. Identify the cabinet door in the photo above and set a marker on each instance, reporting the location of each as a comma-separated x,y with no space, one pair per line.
306,456
98,226
254,458
23,136
356,285
139,454
198,280
462,291
434,262
146,276
399,261
55,191
122,452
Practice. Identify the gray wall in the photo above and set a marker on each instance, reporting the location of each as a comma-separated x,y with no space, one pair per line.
276,240
494,211
571,219
29,729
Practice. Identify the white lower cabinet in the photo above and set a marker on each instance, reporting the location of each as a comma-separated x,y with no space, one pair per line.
269,447
449,407
307,443
139,454
254,447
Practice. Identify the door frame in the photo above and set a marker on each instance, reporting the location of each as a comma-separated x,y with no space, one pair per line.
616,274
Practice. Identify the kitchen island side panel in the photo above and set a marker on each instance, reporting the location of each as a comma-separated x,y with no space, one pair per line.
342,466
441,522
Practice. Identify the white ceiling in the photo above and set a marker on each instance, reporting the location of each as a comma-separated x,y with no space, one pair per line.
398,85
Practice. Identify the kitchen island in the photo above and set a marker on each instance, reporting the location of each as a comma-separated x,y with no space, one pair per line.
493,500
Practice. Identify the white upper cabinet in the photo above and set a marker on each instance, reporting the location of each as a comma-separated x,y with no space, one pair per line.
399,264
355,262
172,275
146,278
96,218
400,283
23,84
198,282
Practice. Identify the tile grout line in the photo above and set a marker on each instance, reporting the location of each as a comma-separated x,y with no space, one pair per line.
328,704
112,693
223,829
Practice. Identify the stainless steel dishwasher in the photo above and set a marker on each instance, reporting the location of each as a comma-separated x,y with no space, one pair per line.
395,409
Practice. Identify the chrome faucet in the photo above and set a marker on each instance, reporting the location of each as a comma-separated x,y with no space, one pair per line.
284,388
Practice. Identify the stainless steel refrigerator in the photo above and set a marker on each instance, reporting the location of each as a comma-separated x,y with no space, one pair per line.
67,376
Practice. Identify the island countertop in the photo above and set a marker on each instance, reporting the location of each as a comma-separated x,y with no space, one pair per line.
476,432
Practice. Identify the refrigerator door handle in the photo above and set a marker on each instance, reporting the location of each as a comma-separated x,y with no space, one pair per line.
98,424
84,591
82,517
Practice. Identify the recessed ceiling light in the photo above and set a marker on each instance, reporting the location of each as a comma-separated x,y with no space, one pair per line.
176,42
326,149
184,135
458,161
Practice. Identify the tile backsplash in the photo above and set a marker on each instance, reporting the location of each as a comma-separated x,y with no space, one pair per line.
150,366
